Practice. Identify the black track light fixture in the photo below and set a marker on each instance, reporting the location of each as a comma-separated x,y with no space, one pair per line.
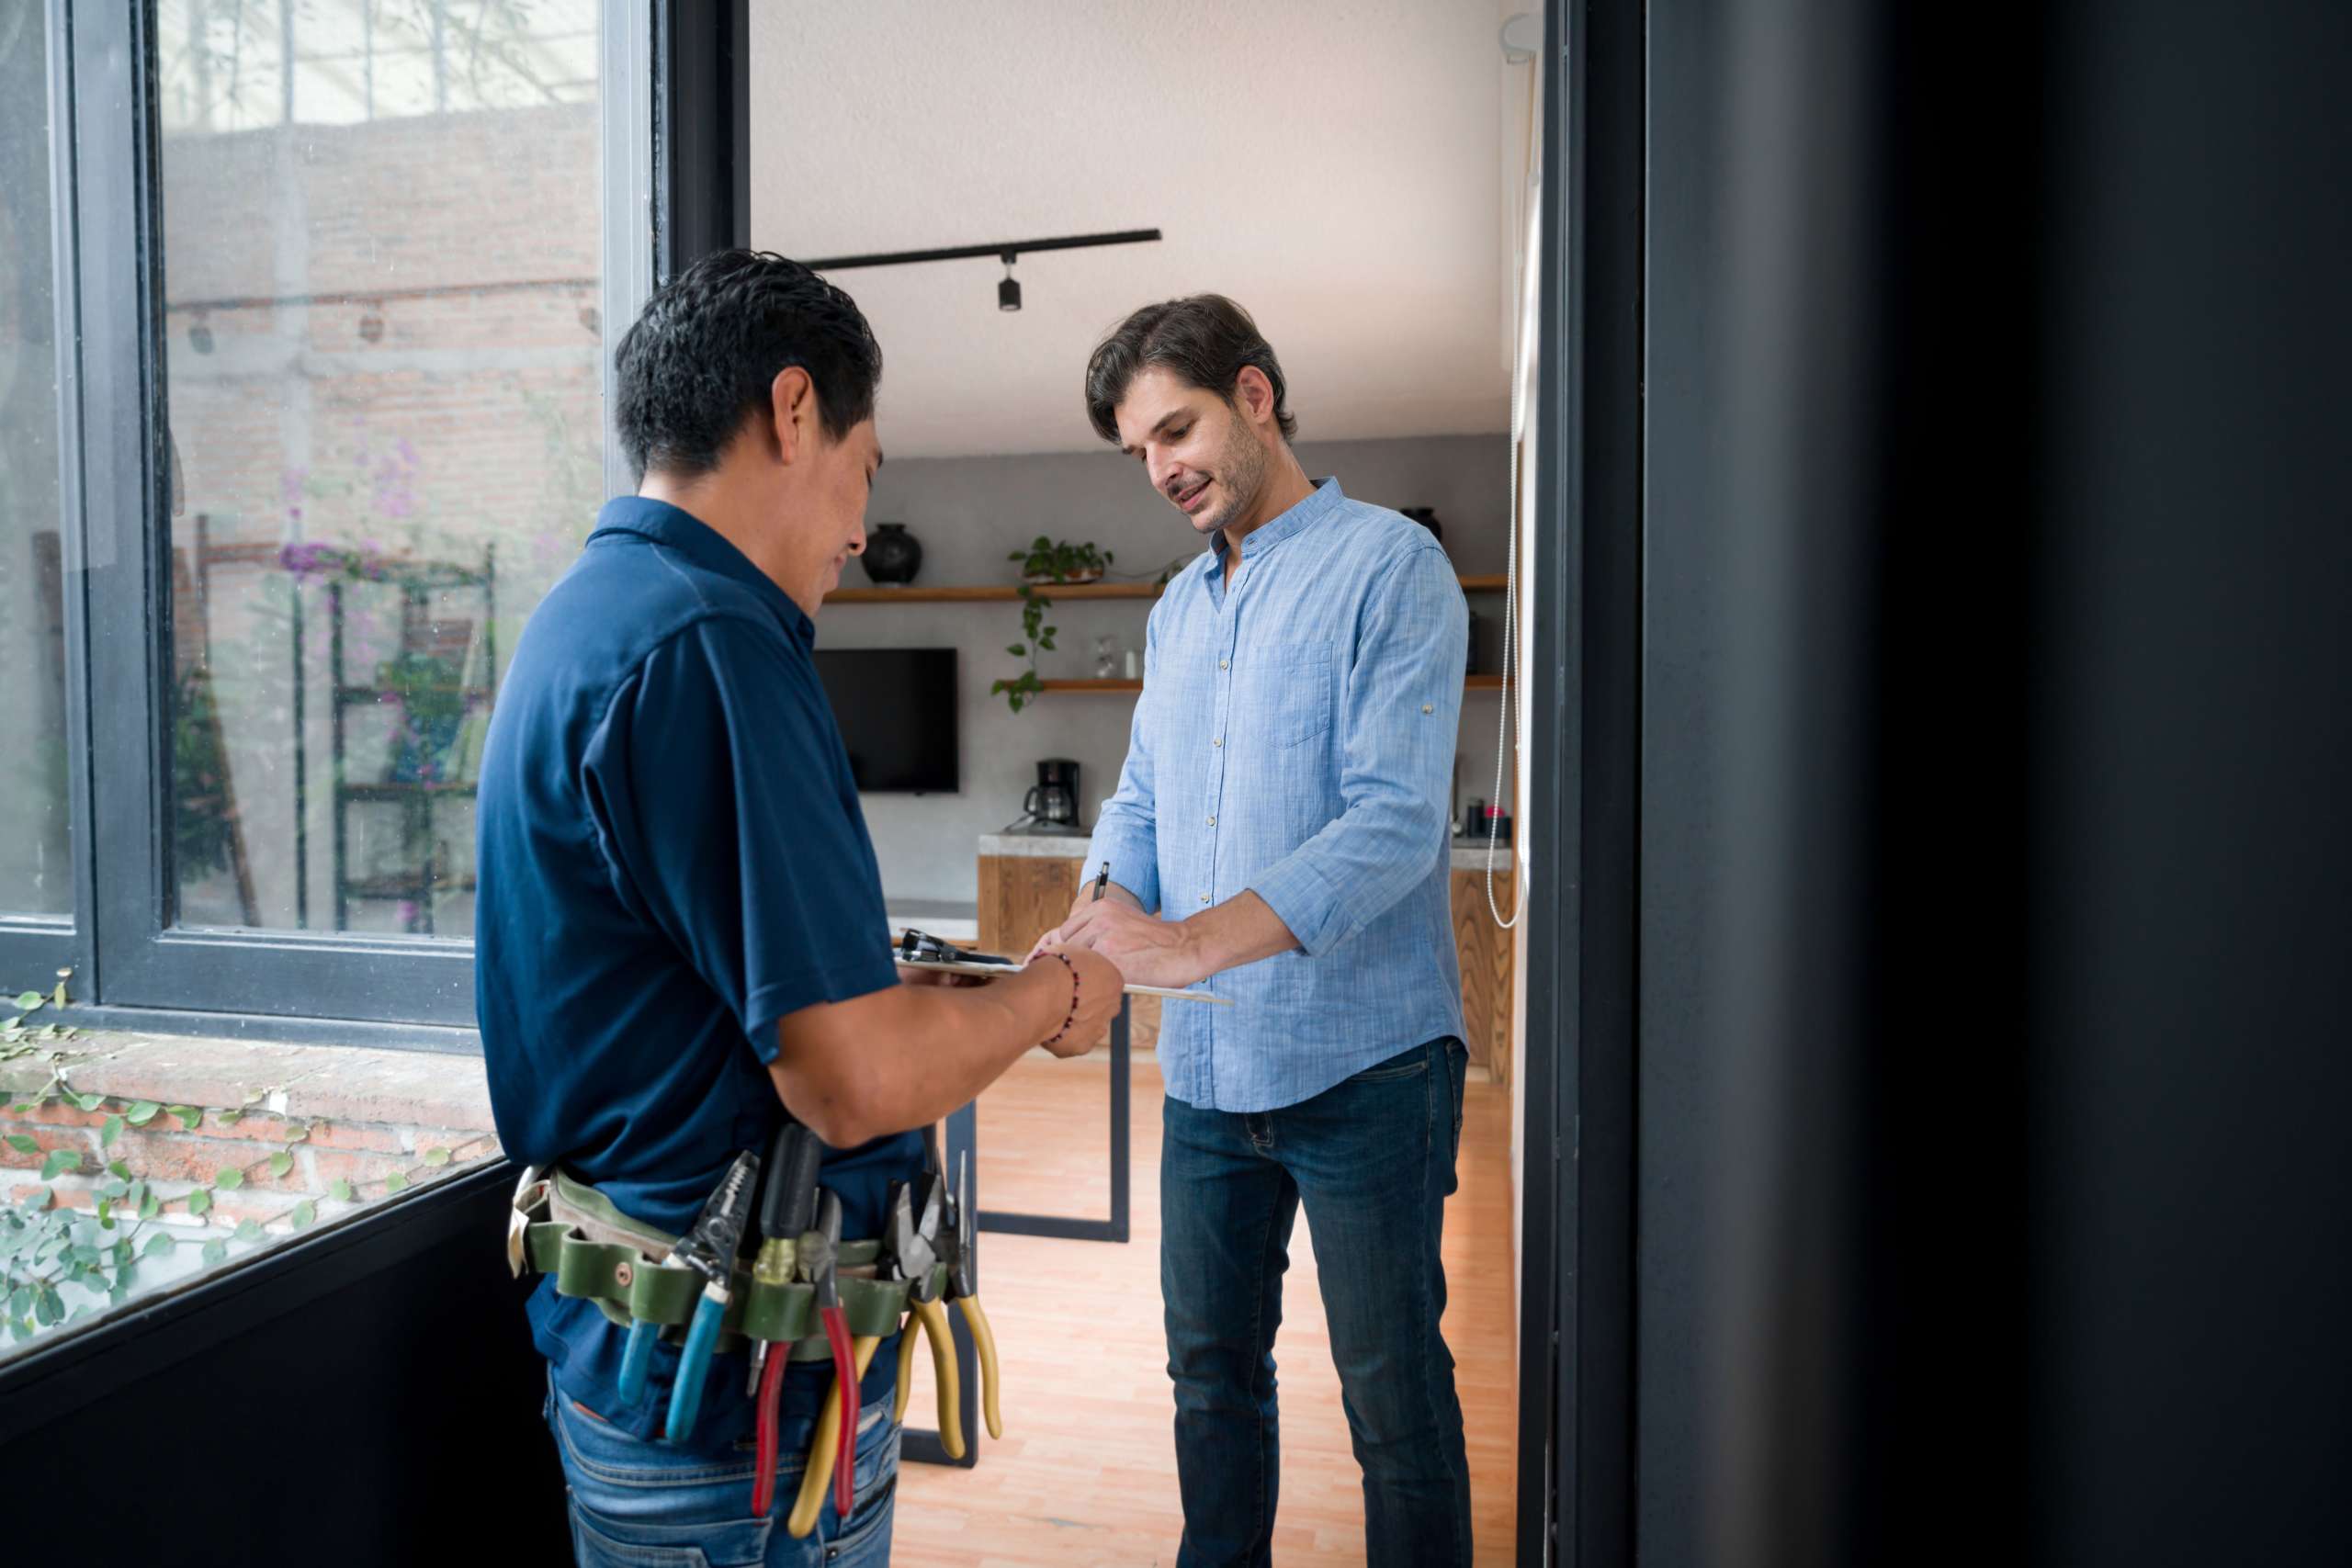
1007,289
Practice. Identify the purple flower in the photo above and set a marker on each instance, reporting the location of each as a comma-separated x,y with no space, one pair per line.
305,558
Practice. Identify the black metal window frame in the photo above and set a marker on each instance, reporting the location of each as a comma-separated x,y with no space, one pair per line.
673,100
1576,1489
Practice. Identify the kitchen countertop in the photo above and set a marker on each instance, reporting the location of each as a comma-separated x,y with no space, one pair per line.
1036,846
952,921
1469,855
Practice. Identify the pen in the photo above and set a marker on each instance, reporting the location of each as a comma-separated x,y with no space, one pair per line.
1102,877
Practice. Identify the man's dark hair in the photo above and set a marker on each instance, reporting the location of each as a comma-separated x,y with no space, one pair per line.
1205,340
713,340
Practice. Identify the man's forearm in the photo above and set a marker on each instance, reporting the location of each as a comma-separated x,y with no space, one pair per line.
1242,930
1149,951
906,1057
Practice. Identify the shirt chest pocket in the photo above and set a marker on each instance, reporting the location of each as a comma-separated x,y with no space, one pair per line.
1285,693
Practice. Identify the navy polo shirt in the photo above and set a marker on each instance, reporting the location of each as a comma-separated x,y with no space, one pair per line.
670,859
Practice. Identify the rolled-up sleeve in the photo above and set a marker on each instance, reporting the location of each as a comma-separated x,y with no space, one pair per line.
1126,835
1401,711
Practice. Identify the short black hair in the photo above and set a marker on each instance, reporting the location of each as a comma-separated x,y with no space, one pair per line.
1206,339
713,340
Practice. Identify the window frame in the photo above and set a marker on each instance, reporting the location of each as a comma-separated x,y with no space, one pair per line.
131,965
33,947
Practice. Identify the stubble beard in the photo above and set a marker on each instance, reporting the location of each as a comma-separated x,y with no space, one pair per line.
1241,469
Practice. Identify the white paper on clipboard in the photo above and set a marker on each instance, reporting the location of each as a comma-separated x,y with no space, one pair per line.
1009,968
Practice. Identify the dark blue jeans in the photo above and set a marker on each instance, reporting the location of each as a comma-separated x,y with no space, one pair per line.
640,1505
1373,1158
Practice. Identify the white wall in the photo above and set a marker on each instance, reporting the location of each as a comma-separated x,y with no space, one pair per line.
969,511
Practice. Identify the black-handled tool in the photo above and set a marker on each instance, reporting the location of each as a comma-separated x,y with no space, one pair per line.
788,1207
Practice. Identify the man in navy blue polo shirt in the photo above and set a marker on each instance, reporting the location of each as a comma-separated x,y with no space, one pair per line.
680,928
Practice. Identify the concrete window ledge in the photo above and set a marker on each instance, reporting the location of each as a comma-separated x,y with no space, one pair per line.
224,1146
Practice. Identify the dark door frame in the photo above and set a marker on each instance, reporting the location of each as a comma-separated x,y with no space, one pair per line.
1575,1472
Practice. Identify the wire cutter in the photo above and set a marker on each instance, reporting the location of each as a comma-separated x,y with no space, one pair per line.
912,1250
820,1252
835,1448
827,1443
788,1208
709,1250
956,1249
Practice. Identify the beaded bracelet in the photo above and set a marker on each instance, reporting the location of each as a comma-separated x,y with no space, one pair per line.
1055,1038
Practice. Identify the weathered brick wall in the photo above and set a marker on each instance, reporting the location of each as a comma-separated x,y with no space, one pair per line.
421,427
331,1128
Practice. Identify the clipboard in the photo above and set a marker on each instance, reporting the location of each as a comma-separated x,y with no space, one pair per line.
988,965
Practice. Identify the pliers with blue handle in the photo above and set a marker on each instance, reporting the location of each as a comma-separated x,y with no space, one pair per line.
709,1250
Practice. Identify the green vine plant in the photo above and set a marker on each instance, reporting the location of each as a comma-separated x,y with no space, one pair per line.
48,1246
1050,561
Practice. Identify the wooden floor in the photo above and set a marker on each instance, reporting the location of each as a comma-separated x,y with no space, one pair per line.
1086,1473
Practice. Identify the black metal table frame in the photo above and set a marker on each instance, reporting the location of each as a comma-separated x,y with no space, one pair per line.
923,1446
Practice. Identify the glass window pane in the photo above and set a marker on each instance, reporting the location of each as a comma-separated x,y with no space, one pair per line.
36,870
382,346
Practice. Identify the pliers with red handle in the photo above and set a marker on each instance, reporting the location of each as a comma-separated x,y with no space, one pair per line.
818,1251
801,1227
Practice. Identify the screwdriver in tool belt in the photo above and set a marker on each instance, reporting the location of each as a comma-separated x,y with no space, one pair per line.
786,1208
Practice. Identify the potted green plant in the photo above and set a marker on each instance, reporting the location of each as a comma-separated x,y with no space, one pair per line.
1046,561
1043,563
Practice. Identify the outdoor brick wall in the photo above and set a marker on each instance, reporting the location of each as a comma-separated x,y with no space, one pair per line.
331,1128
415,426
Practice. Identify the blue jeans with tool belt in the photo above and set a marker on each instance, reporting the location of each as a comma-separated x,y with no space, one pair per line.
796,1292
640,1505
1373,1160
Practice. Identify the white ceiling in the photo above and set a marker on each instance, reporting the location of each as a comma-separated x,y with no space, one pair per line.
1341,167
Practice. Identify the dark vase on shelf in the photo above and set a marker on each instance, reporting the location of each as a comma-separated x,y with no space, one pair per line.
892,555
1427,517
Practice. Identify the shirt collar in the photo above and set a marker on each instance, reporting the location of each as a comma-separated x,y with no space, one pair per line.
706,547
1317,505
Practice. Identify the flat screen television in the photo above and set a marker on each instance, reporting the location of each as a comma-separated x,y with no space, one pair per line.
896,707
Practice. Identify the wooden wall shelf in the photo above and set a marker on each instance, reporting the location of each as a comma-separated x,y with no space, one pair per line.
990,593
1006,593
1469,683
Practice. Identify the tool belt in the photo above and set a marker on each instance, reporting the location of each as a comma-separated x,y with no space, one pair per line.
567,1228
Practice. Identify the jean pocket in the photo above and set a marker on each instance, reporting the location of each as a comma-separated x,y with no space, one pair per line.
599,1542
1457,1072
1410,1065
1457,1066
865,1543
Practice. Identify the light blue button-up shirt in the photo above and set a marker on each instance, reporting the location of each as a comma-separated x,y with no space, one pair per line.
1295,738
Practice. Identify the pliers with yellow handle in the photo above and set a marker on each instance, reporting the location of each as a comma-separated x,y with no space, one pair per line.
826,1444
910,1251
955,1250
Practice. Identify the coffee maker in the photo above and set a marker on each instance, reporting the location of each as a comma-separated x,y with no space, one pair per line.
1052,806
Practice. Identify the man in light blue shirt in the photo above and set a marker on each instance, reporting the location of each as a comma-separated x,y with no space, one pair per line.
1279,838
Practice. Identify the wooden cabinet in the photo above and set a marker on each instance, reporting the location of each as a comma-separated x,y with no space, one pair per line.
1022,897
1488,959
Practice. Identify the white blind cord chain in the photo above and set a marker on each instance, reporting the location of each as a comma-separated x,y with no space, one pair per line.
1505,728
